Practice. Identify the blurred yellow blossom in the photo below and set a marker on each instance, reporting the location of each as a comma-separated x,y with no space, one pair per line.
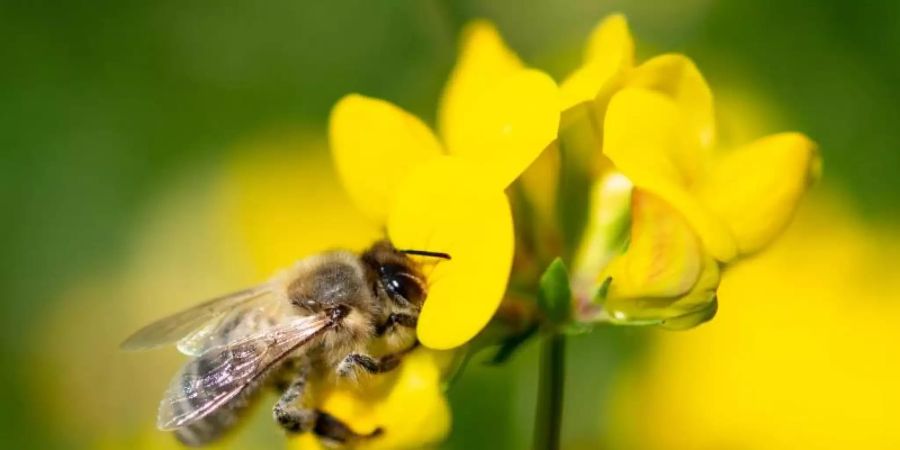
496,117
283,202
803,357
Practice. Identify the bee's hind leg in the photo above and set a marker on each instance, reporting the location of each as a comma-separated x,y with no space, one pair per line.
289,411
334,430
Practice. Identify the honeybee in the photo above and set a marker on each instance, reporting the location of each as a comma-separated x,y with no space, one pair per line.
314,321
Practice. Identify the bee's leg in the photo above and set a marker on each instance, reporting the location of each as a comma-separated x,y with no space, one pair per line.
373,365
298,419
333,429
397,319
289,412
369,364
354,360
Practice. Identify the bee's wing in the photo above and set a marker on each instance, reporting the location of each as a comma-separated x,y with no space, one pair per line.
205,315
252,317
219,374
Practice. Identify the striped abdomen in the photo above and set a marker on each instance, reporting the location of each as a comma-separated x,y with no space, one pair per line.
219,422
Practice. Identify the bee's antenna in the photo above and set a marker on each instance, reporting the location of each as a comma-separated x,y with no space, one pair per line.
427,253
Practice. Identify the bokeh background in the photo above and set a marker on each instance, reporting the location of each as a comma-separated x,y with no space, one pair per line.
156,153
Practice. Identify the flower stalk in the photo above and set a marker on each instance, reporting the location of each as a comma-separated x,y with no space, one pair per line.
548,416
555,300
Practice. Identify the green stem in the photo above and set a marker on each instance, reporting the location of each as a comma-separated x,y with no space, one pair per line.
548,417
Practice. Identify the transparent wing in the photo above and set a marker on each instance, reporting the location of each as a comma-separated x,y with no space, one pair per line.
205,315
219,374
251,317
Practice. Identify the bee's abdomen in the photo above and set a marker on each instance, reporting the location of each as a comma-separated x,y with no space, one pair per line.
208,429
217,423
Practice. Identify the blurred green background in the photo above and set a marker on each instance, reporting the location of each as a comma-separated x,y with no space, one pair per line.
104,106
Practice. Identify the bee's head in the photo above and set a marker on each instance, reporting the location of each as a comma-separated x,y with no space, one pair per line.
393,272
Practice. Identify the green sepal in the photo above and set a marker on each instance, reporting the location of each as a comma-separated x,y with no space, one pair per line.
602,291
555,294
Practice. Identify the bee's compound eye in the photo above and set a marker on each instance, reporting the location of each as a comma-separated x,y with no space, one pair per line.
399,282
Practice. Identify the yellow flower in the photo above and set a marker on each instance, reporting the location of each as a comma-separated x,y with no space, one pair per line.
736,201
655,122
695,206
495,118
664,275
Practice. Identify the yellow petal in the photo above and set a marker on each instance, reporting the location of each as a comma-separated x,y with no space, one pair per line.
685,311
644,137
610,50
507,127
677,77
495,111
701,295
755,189
663,257
712,231
374,145
611,39
484,60
446,206
384,402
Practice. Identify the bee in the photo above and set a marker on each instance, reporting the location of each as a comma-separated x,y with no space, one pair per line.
317,320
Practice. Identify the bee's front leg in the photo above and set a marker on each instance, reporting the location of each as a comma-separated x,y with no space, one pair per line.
289,412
